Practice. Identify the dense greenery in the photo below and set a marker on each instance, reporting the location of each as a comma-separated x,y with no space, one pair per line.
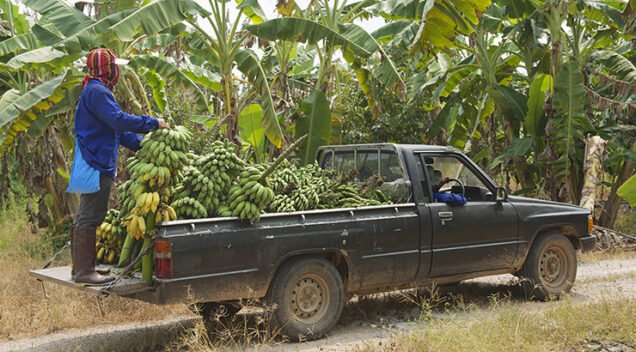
516,84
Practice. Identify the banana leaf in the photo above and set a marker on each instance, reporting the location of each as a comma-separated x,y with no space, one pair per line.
62,14
40,55
536,119
252,130
248,63
169,71
156,16
304,30
29,99
316,123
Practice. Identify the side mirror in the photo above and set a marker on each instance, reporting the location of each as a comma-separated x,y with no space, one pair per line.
502,195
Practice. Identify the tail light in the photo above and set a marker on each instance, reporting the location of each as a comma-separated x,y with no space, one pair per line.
590,224
163,259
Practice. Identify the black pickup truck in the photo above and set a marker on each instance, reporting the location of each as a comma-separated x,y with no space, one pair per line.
305,263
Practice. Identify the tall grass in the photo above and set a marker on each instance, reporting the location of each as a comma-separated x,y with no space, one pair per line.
24,310
516,327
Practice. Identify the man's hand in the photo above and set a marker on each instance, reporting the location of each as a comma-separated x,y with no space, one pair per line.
443,181
163,124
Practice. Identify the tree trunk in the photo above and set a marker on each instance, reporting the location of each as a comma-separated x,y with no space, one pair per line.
594,146
71,200
55,209
608,215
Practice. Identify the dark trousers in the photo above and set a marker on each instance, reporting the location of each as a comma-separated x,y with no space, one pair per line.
93,206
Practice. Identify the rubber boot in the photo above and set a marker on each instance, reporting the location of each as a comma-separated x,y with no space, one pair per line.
103,271
85,256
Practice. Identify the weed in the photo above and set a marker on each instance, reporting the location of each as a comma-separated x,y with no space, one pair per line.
25,312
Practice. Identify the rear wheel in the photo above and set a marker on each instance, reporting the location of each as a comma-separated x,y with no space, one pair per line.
307,297
550,268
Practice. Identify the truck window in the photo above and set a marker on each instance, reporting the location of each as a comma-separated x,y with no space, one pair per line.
438,167
390,166
367,164
365,161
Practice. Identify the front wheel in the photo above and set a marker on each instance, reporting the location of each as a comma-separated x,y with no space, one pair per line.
550,268
307,297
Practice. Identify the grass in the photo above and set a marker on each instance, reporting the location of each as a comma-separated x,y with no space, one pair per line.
25,312
218,331
566,325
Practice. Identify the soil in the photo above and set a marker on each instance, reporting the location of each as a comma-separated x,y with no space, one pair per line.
372,320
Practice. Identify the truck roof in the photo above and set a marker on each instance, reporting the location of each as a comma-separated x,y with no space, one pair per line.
404,147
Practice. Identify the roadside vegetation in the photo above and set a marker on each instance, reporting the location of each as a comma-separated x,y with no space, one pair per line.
564,326
24,309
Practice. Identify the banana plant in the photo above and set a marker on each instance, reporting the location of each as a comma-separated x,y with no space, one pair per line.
330,28
223,50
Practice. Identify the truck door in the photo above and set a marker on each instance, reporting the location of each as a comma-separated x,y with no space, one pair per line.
388,244
480,235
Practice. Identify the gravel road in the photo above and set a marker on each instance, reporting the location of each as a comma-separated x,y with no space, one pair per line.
368,319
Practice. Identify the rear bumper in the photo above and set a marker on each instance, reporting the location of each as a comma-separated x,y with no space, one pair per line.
587,243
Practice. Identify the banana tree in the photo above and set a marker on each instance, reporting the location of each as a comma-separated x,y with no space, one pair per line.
328,27
223,51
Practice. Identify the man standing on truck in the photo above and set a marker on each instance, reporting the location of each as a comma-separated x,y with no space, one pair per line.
100,127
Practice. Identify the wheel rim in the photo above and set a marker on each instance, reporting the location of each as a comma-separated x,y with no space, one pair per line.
309,298
553,266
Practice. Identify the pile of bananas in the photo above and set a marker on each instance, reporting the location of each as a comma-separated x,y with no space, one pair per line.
110,238
251,194
206,184
146,195
349,196
310,187
298,188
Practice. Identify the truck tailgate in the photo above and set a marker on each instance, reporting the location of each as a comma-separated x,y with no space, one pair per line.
121,287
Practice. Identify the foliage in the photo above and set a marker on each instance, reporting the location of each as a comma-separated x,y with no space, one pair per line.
515,84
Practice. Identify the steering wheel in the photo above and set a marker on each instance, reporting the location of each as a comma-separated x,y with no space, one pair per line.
460,184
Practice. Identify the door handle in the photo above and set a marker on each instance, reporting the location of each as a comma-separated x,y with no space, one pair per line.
446,215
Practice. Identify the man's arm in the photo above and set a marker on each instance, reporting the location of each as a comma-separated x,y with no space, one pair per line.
106,109
130,140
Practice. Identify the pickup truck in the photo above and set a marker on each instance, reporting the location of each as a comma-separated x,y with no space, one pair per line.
306,264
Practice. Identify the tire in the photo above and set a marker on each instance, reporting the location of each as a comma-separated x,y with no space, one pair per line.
550,268
306,298
214,310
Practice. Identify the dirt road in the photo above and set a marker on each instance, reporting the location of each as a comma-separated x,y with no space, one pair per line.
374,319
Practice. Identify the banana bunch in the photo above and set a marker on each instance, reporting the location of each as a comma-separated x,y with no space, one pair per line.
250,195
110,238
282,203
349,197
145,197
190,208
223,211
209,180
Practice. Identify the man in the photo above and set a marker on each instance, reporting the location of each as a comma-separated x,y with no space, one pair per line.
452,199
100,127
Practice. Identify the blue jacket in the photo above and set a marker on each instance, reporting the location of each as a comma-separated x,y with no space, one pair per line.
101,127
452,199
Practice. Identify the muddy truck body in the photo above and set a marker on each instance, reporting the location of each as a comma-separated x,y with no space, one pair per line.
307,263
